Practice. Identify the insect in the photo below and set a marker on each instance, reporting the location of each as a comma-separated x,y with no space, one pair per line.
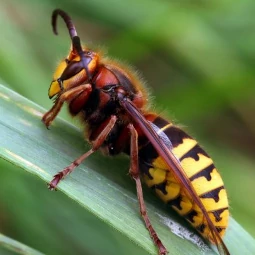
112,103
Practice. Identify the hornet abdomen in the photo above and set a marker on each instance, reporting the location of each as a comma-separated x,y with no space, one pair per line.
200,170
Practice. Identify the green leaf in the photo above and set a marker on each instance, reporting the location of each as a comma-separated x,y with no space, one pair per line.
17,247
101,185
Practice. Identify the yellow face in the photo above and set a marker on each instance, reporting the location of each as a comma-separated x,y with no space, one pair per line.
55,86
71,72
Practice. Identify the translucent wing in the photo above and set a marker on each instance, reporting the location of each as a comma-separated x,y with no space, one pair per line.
174,164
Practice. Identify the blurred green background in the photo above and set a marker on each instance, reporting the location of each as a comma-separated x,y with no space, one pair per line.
198,58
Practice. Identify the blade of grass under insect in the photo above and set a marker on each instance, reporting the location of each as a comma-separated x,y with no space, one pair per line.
100,184
17,247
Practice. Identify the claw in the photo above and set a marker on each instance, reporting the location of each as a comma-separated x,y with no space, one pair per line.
53,184
50,187
46,124
47,119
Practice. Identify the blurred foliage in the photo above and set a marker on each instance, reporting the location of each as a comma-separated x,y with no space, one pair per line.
197,56
10,246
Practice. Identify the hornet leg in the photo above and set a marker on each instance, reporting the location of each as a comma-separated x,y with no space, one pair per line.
134,172
95,146
49,116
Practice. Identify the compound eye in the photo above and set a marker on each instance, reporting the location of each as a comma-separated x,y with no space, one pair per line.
67,61
71,70
88,53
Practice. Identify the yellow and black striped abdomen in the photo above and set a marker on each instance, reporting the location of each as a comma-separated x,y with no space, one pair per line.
199,168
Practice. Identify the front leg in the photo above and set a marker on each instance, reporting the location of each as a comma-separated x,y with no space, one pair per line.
96,144
68,95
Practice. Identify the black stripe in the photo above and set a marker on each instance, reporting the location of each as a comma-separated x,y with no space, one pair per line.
160,122
201,228
220,229
190,215
161,187
148,153
144,168
213,194
206,172
193,153
175,135
176,202
217,214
